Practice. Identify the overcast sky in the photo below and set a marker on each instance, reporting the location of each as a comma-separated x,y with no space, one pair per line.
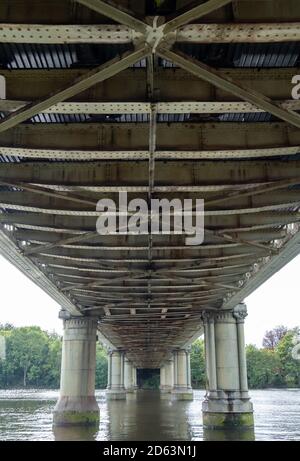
276,302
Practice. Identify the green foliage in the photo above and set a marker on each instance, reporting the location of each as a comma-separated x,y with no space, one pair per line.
274,366
267,367
198,364
263,368
32,358
290,368
152,382
101,367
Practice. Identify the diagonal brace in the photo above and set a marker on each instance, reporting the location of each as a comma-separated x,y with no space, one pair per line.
212,76
99,74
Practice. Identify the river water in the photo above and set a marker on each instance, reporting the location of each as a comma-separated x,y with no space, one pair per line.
27,415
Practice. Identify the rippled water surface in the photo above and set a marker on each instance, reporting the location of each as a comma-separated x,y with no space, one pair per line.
27,415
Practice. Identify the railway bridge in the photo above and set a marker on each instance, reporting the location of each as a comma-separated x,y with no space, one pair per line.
161,100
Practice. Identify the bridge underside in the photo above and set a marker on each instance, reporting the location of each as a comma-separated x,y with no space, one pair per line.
98,101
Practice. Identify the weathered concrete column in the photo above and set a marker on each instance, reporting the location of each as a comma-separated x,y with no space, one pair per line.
227,402
128,376
162,378
210,353
116,389
167,376
134,377
182,389
77,403
109,369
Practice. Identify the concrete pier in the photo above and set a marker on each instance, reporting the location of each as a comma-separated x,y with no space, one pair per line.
116,389
77,403
129,384
227,402
182,389
162,378
167,377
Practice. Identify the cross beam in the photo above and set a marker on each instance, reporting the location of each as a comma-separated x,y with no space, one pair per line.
89,79
211,75
119,34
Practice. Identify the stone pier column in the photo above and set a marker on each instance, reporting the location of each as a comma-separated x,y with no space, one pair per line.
115,389
109,358
77,403
227,403
134,378
128,377
167,376
182,389
162,378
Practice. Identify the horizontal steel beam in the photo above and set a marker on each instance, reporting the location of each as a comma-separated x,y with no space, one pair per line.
210,74
62,34
172,172
119,34
131,155
88,80
58,12
134,108
239,33
131,85
78,224
29,199
133,137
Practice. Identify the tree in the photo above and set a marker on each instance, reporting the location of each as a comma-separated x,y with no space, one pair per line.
289,366
26,351
198,364
52,365
272,337
101,367
264,368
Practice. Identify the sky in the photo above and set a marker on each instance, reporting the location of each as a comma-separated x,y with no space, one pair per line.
276,302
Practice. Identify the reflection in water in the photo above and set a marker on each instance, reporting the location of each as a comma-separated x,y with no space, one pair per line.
75,434
228,435
27,415
148,418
